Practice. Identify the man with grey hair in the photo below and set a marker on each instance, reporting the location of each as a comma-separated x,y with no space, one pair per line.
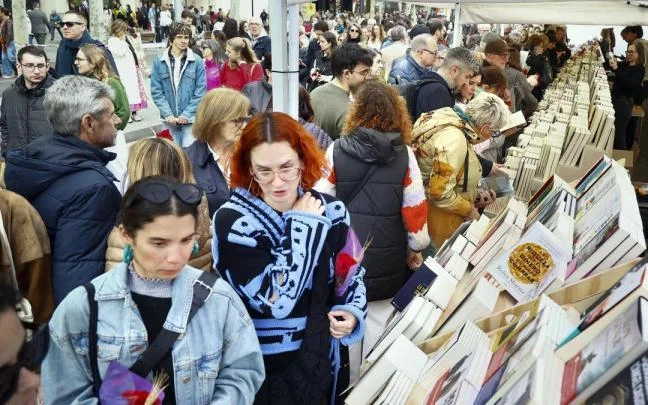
457,68
417,64
64,176
261,43
396,50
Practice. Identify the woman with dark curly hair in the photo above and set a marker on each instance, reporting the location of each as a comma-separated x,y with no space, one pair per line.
372,159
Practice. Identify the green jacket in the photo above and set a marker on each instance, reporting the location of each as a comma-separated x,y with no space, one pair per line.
122,108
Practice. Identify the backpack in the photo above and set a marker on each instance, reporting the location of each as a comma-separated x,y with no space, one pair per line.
409,91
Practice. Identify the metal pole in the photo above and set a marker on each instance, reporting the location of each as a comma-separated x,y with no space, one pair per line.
252,8
458,29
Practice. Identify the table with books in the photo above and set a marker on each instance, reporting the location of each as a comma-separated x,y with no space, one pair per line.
540,302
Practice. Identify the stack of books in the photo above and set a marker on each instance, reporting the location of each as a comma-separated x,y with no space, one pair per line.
573,126
541,352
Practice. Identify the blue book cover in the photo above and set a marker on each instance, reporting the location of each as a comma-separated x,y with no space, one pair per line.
418,283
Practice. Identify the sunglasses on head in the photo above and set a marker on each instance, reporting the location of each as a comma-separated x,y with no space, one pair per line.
31,355
158,193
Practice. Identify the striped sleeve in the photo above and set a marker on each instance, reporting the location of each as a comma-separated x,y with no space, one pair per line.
415,207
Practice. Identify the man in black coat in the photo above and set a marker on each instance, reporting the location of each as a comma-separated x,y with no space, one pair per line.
319,29
64,176
22,115
261,43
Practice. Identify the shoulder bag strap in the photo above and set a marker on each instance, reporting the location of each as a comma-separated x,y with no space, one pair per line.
202,290
354,193
465,176
92,339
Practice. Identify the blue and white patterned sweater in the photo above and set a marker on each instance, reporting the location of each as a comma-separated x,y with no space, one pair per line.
269,259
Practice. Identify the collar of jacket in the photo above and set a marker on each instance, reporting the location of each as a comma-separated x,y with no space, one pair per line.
114,286
422,71
37,91
191,56
202,153
76,43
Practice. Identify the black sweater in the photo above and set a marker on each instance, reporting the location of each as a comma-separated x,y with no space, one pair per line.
628,80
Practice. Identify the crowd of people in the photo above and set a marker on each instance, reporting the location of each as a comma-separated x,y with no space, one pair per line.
293,233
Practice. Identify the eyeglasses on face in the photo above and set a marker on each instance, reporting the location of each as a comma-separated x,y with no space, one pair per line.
429,51
77,59
32,66
70,24
267,176
362,73
241,120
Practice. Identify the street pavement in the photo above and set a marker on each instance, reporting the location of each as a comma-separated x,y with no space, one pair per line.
150,116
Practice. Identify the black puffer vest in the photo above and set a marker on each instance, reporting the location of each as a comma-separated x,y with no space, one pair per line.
376,208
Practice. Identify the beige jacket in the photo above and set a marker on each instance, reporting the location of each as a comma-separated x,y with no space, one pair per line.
441,141
202,261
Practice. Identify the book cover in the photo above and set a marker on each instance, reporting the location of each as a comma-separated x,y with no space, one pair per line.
629,387
418,283
531,265
609,346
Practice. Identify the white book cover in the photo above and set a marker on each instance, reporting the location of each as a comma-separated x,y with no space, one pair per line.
530,266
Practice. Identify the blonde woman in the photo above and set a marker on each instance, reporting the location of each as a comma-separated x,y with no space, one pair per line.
242,66
221,116
161,157
129,67
91,62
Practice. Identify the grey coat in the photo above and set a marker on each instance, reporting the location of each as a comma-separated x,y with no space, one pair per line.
520,90
259,94
39,22
22,115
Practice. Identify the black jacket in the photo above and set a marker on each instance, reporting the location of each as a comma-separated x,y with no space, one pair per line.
67,181
627,80
378,219
433,96
208,175
22,115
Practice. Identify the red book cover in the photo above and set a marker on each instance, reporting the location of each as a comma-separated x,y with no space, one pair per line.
570,380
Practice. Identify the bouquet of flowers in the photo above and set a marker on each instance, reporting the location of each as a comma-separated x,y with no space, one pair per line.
123,387
348,262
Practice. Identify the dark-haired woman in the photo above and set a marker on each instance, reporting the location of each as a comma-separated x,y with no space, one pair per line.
276,242
214,355
320,72
354,34
629,75
372,159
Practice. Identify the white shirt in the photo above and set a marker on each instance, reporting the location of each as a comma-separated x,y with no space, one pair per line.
217,159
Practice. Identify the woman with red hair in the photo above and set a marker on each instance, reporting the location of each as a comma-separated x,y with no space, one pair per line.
278,243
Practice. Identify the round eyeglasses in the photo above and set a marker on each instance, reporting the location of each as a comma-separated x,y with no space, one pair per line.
267,176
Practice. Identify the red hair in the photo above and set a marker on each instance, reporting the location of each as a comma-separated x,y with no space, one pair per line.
272,127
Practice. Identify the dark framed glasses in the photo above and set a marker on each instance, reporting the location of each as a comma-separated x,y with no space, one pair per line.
69,24
158,193
242,120
31,355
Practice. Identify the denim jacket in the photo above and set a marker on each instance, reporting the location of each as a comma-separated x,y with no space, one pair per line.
216,359
184,100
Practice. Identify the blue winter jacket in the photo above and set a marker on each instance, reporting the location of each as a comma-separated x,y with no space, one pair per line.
183,100
66,180
406,70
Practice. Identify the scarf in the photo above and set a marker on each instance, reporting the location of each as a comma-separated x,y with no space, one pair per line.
67,52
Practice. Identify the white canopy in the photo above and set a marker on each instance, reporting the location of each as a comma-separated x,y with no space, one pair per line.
577,12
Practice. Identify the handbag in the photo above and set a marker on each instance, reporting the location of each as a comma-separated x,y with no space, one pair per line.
23,308
202,290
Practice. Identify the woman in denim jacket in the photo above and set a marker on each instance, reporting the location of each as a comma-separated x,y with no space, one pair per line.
216,358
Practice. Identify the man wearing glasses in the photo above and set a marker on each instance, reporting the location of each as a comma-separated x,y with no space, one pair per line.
75,34
350,66
22,115
20,354
417,65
